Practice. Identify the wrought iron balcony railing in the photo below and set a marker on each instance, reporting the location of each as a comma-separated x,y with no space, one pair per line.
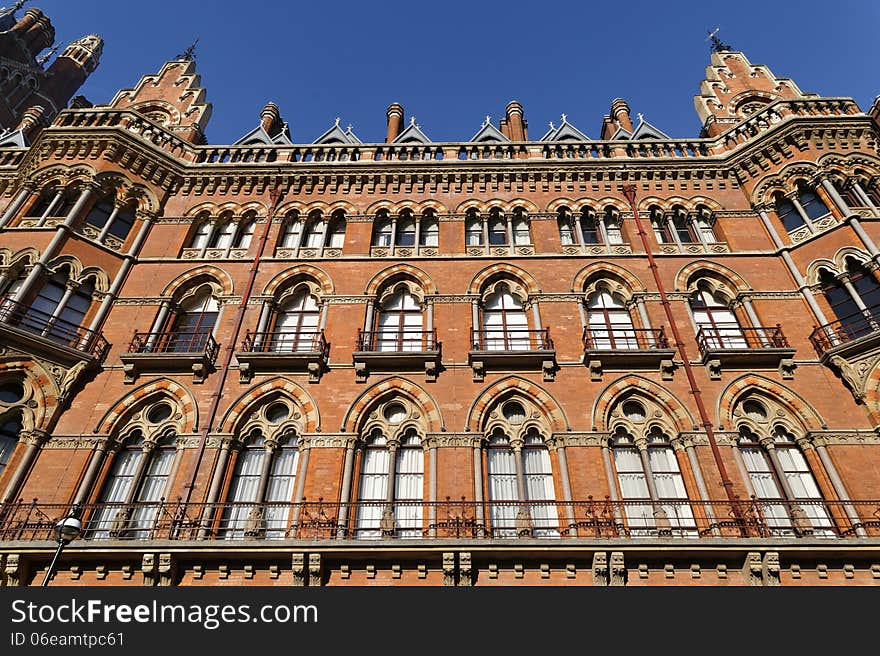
722,337
511,339
416,520
175,342
845,330
54,329
284,342
397,341
624,338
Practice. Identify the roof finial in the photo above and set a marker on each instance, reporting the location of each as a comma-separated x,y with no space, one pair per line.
42,59
717,44
488,120
641,117
348,128
189,54
412,120
336,123
552,127
564,118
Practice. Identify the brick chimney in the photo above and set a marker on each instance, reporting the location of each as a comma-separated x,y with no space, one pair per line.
620,113
270,119
395,121
517,126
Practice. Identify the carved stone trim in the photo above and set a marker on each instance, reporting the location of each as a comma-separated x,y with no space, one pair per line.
833,437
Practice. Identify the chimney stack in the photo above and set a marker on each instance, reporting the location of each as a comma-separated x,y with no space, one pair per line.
270,119
620,113
517,126
395,121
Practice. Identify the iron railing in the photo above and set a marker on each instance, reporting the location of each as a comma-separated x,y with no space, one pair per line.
182,343
846,329
319,520
733,336
624,338
512,339
281,342
53,328
397,341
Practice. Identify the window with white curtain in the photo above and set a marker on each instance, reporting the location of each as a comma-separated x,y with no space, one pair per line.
382,231
609,323
222,237
314,231
245,234
290,231
505,325
336,231
429,231
372,487
296,324
521,234
202,233
720,326
409,474
566,234
473,229
399,324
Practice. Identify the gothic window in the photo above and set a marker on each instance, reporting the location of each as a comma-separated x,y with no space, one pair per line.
59,308
853,297
296,324
122,222
681,225
406,229
812,204
192,323
382,230
336,230
716,321
44,202
12,393
505,326
864,282
100,213
519,480
782,480
245,231
521,234
788,214
609,323
313,231
612,226
566,230
497,228
222,235
137,483
430,229
703,220
290,231
473,229
658,224
202,232
399,323
262,485
391,476
51,204
589,227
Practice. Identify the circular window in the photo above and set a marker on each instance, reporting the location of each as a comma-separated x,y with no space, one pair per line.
159,413
11,392
394,413
754,410
277,412
514,412
633,410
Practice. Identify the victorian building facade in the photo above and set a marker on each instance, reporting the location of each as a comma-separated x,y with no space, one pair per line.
632,360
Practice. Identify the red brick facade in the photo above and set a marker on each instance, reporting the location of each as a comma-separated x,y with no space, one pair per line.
463,347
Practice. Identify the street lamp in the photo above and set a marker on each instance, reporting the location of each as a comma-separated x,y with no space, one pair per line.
66,530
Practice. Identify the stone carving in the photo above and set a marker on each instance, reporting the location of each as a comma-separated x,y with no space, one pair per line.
753,568
298,561
315,570
148,567
595,369
600,568
465,569
617,569
548,370
479,370
167,570
853,374
770,568
786,368
448,568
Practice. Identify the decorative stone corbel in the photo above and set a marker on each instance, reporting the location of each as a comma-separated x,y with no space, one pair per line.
245,372
714,367
667,369
465,569
595,368
13,570
315,579
130,372
753,568
430,371
148,567
600,568
548,370
167,570
298,560
479,370
617,569
448,568
786,368
200,373
361,373
315,370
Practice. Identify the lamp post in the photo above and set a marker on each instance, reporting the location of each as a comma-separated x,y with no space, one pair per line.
66,530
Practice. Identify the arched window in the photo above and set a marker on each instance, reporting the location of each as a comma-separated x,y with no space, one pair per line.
430,229
382,234
497,228
865,283
290,231
715,321
10,430
589,227
521,234
780,476
682,227
296,324
202,232
245,232
100,213
505,325
192,324
390,500
788,214
44,203
312,237
262,485
854,298
222,235
812,204
519,479
566,229
59,308
473,227
406,229
841,301
612,225
122,223
336,230
399,323
135,487
609,324
703,220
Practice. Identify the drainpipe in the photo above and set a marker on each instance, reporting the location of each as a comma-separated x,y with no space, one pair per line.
629,190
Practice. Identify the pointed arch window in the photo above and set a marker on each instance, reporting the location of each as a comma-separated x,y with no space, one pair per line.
296,323
262,485
390,500
505,325
290,231
222,236
382,231
100,213
135,488
716,322
202,232
245,233
589,227
59,308
520,483
473,227
782,480
193,324
566,230
430,229
10,430
521,233
788,214
812,204
313,235
399,325
406,230
497,229
609,323
336,230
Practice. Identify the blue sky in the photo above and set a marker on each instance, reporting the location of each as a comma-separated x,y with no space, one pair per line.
452,63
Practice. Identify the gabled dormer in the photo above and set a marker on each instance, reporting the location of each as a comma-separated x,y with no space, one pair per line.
271,131
337,135
644,130
565,132
489,132
412,134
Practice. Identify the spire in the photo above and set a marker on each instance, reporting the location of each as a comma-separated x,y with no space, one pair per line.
717,44
43,59
189,54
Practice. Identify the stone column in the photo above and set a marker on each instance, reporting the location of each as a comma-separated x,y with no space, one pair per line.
110,219
566,488
13,207
345,492
96,459
302,468
800,210
33,441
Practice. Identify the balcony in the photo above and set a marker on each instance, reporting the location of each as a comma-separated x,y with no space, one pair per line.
512,350
169,352
397,350
625,349
40,334
750,348
552,522
852,336
283,352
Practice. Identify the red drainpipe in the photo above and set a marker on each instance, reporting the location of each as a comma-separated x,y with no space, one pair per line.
275,196
629,190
